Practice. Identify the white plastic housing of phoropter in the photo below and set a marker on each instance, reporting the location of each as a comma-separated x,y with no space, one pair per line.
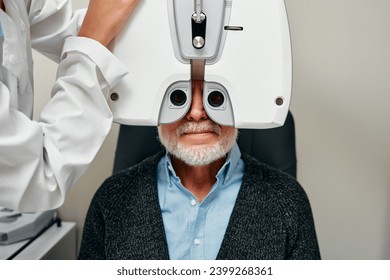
246,57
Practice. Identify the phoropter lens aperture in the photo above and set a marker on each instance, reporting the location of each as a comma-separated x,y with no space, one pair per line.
178,97
216,99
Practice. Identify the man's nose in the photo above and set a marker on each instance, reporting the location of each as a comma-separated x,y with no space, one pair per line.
197,112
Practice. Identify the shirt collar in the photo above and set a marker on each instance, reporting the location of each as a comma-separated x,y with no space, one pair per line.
227,170
223,175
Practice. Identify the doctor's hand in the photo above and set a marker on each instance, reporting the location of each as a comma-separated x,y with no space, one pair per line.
105,18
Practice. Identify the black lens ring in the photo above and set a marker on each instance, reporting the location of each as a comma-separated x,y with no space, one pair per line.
216,99
178,97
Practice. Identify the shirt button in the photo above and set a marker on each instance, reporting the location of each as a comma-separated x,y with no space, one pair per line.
197,241
193,202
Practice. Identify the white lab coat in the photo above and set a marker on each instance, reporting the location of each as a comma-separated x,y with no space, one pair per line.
40,161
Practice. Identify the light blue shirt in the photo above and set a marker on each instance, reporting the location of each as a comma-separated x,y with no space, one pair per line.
195,230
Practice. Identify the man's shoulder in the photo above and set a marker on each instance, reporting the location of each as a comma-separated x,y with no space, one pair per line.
259,170
271,181
142,169
129,181
274,190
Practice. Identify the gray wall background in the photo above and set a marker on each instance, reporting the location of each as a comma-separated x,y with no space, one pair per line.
341,105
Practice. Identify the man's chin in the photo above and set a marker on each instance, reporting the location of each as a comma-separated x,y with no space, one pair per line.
198,155
197,147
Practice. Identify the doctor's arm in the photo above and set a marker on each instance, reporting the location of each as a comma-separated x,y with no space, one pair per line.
40,161
52,21
105,19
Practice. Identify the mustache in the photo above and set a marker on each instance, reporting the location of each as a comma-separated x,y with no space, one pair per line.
193,127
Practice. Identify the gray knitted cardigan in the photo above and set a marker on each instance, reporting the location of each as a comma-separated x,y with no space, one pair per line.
271,219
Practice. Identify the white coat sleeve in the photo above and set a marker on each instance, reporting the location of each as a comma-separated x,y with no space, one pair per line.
40,161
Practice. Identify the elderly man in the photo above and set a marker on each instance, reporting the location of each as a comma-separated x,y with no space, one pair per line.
200,200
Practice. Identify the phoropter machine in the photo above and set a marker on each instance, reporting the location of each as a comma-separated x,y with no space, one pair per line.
240,48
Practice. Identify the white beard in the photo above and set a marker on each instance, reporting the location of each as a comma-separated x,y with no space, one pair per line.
198,155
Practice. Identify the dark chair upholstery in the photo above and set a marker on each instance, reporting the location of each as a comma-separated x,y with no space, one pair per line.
275,147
